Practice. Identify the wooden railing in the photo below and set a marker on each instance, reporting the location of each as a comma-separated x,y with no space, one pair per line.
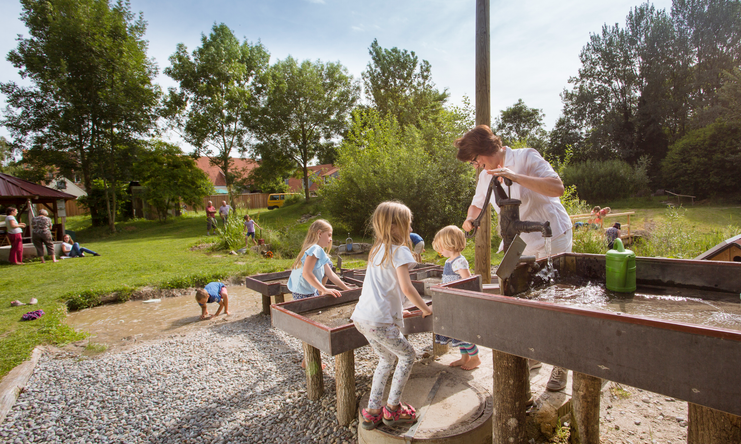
680,196
625,226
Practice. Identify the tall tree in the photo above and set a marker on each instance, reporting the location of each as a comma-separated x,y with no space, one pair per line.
307,109
218,95
519,123
401,86
91,92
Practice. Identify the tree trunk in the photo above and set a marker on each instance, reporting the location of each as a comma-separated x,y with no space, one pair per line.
709,426
510,395
314,376
345,382
585,402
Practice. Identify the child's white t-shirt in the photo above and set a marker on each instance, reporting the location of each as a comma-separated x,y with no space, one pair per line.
381,299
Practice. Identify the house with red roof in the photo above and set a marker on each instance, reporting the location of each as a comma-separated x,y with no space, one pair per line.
318,175
243,166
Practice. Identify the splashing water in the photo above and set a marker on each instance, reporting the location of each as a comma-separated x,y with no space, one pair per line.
548,274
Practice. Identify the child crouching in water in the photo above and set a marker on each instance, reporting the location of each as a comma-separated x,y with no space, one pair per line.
213,292
450,242
313,267
379,313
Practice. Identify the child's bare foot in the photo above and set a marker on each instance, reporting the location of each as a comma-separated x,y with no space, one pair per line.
473,362
464,359
227,312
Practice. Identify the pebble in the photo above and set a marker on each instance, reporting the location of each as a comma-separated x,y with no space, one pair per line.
236,382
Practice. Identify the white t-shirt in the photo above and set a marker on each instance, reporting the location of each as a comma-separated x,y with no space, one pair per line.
67,247
17,230
535,206
381,300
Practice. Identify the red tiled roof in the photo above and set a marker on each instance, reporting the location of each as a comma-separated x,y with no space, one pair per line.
295,185
14,187
217,176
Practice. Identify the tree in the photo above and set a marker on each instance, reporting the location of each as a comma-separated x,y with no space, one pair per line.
170,176
307,108
92,93
379,160
218,95
400,86
518,123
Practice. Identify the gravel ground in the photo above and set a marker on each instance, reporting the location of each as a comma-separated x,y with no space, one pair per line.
233,382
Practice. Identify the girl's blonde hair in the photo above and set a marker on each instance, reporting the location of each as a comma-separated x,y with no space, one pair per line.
449,238
312,237
391,226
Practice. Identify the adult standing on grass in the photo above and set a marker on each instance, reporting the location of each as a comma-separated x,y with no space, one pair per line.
15,235
41,226
535,183
210,218
224,212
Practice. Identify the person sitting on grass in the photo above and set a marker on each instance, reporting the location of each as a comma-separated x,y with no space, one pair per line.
450,242
213,292
73,249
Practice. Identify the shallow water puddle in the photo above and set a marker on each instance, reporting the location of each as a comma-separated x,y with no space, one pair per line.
121,324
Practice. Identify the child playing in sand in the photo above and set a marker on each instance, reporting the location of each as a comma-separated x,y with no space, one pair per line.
379,313
450,242
249,228
213,292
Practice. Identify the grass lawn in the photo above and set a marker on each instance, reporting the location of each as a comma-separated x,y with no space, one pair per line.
171,255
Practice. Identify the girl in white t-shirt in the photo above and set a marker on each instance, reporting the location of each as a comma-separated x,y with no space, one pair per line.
379,313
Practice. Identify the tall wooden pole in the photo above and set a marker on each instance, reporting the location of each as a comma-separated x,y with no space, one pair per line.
482,259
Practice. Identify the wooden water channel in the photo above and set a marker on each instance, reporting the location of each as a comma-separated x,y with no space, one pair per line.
690,362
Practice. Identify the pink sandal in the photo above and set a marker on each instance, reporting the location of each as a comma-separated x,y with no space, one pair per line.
371,421
394,416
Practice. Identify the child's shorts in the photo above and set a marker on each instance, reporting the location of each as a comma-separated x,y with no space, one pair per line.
250,234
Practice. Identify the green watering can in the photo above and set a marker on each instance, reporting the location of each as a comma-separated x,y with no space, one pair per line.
621,269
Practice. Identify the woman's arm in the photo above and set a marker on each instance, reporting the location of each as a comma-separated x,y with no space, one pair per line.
473,213
402,273
547,186
307,274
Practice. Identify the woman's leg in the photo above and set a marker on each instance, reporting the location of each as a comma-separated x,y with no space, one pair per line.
85,250
75,250
38,242
16,248
49,243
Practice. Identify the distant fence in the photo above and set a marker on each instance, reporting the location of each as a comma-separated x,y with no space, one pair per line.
75,208
249,201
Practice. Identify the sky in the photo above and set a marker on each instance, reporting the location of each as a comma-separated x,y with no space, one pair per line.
535,44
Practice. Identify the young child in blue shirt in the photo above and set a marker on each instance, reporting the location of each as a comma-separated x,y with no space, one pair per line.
450,242
213,292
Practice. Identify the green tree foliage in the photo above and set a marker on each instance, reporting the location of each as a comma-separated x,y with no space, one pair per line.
91,93
307,108
600,181
644,86
518,123
169,177
706,162
401,86
218,95
381,161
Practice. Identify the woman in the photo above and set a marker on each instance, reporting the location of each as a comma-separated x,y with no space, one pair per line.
15,234
73,249
41,225
535,183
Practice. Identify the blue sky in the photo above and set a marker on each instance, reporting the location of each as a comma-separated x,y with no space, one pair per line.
535,44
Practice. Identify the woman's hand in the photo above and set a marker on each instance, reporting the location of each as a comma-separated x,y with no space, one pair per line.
501,171
468,225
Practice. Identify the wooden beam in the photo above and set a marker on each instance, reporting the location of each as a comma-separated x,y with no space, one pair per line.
482,258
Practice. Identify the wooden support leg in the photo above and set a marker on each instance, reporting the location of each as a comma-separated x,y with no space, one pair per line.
266,305
709,426
585,402
345,380
314,376
510,395
280,298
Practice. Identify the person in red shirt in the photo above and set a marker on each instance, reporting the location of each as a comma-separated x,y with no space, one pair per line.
210,218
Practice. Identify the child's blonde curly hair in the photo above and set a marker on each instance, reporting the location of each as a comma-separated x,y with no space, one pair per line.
449,238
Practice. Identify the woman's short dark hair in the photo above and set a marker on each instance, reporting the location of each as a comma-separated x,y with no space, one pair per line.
9,210
477,142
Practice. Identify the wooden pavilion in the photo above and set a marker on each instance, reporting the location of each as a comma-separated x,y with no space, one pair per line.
24,195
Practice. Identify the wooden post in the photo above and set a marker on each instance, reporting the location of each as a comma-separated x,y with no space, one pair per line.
585,402
266,305
439,349
510,395
345,387
314,376
482,248
709,426
280,298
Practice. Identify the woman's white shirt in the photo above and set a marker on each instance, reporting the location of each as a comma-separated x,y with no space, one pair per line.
16,230
381,299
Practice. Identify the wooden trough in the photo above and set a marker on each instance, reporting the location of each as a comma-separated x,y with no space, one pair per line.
695,363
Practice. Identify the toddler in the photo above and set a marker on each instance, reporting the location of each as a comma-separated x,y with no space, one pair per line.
379,313
213,292
249,228
450,242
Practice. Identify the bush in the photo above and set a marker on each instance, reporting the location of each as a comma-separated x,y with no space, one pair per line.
599,181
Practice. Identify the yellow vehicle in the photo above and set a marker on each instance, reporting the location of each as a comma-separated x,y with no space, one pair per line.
277,200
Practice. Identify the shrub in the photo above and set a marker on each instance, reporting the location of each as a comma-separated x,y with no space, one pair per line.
599,181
